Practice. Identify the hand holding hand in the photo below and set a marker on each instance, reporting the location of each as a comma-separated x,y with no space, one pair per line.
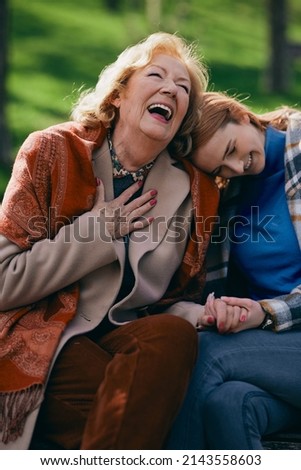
232,314
252,314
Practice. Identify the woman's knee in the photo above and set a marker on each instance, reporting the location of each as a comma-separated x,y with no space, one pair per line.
158,337
175,326
175,335
166,330
226,400
234,401
174,339
231,416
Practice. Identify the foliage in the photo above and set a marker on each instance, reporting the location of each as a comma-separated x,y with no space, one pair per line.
59,46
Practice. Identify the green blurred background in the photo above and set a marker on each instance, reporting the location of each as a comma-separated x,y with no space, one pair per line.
58,46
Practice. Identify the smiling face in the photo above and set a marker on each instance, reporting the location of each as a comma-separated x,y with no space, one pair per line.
234,150
154,101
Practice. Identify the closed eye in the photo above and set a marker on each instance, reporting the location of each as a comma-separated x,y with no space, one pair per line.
231,150
185,88
216,171
154,74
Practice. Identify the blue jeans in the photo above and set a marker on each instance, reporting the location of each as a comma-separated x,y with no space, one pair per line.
244,386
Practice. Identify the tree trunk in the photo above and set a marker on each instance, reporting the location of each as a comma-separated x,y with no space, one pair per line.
279,64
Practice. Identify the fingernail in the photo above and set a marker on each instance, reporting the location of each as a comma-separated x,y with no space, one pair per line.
210,320
243,318
153,192
150,219
140,183
97,181
153,202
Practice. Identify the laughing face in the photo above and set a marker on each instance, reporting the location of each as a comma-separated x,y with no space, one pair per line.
155,100
234,150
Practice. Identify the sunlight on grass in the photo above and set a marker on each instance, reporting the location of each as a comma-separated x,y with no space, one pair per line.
56,48
59,46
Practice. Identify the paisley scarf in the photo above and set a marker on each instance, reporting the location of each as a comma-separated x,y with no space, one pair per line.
52,182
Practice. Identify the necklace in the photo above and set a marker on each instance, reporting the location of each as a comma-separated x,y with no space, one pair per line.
118,169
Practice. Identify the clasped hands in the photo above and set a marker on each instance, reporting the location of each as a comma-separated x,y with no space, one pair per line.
231,314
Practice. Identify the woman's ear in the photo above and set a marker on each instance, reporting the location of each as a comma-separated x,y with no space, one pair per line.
116,101
245,119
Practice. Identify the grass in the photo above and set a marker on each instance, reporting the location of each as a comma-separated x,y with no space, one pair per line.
56,47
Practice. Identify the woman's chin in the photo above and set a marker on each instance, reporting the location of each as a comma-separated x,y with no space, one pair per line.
258,166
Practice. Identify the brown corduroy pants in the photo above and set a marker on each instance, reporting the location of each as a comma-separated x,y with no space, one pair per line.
120,392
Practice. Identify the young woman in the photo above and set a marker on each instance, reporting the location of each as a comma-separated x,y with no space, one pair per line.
248,384
83,260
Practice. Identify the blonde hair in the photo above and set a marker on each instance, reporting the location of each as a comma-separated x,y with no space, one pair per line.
95,107
218,109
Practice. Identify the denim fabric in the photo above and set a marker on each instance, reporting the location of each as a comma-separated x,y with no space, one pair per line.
244,386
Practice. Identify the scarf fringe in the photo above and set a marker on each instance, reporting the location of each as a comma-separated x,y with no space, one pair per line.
14,409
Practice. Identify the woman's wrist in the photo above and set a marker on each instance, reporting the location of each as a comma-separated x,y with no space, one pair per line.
199,323
267,322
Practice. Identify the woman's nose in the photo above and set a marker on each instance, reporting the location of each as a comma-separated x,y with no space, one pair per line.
237,166
169,87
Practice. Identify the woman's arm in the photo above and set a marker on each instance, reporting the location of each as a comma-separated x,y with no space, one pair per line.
190,311
285,309
234,314
78,248
90,242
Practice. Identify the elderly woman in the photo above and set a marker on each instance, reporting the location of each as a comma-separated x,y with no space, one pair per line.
96,228
247,381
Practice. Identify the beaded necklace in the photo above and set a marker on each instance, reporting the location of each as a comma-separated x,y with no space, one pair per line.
118,169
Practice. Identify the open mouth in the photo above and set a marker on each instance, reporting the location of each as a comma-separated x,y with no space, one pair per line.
249,162
161,109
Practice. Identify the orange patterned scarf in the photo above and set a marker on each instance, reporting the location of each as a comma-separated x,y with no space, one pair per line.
189,280
53,171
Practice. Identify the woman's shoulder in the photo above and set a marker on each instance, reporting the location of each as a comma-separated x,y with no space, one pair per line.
68,130
70,138
294,128
59,147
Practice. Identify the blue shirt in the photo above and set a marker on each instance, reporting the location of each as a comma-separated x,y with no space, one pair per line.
264,244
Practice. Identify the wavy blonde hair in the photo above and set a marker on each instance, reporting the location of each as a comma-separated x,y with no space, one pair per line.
95,107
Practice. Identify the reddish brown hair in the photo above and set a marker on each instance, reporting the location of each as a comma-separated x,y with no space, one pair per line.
218,109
